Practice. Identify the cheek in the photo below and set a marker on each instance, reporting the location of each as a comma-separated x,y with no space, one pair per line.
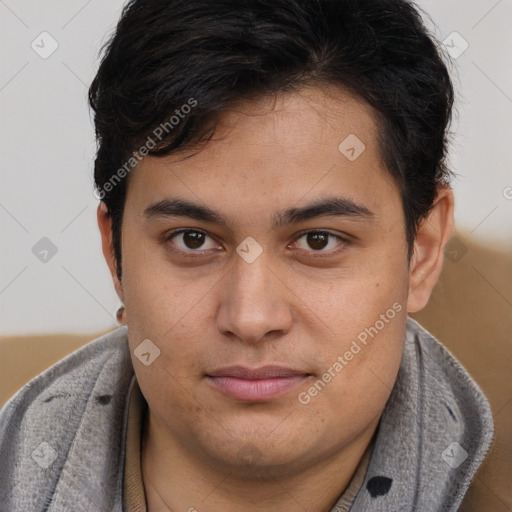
361,374
170,381
161,300
170,399
348,301
366,318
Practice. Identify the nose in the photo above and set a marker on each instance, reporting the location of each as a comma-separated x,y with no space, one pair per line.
255,304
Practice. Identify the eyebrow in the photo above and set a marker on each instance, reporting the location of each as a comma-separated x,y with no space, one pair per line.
331,206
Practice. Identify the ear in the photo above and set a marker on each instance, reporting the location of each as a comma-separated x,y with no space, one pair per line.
433,234
105,226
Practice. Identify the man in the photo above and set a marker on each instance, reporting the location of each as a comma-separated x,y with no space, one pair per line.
274,201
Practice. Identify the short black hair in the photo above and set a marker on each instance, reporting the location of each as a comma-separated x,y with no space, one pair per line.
204,55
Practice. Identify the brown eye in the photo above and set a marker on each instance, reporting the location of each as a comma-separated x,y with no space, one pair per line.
317,241
189,240
193,239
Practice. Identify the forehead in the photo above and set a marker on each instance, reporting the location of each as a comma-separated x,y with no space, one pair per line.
298,121
289,145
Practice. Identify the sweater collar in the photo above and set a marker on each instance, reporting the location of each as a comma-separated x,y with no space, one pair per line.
433,435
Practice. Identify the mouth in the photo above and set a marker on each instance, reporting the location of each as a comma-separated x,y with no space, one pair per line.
256,384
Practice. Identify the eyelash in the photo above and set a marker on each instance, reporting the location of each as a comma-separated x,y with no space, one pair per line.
315,254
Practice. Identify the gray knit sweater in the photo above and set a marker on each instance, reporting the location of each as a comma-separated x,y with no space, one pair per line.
63,435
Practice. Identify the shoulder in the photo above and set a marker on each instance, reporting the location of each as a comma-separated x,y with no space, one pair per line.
457,405
445,373
71,374
69,416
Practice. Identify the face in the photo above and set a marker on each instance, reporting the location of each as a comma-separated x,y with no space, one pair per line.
280,325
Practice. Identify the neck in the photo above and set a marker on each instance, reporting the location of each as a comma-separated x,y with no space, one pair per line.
174,478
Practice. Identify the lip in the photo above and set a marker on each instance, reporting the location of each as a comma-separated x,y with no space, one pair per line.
256,384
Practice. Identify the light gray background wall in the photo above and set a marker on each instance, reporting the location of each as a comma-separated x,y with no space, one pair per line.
47,149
